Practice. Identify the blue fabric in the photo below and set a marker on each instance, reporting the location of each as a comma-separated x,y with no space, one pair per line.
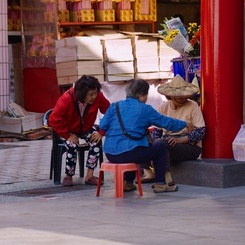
136,117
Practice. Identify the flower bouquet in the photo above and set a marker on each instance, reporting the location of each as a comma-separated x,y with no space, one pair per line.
173,36
176,40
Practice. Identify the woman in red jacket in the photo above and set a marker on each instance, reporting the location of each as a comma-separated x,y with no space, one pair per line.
73,117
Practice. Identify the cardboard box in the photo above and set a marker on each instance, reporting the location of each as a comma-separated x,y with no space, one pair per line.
11,124
143,12
31,122
104,4
10,24
16,25
21,120
78,48
86,15
79,68
63,16
125,15
105,15
21,124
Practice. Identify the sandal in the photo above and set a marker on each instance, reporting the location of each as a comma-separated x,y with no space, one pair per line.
157,188
128,187
67,181
146,180
93,181
172,183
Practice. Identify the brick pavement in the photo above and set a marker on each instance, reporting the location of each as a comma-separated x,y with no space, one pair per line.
25,161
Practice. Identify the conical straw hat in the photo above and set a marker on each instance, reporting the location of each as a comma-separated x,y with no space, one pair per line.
178,87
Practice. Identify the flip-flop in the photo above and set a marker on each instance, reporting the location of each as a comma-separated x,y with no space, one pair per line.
146,180
93,181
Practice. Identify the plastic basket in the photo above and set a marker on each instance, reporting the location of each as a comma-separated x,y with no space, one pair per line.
194,64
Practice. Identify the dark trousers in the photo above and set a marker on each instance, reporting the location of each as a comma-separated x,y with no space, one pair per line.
178,153
140,155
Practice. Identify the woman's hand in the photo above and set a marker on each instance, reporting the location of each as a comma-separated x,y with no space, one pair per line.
95,137
175,140
189,126
74,139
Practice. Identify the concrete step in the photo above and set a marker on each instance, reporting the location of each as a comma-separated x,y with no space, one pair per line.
219,173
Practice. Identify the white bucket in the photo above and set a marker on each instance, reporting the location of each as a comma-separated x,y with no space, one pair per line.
238,145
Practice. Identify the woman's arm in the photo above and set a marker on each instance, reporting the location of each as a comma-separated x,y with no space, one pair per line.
196,135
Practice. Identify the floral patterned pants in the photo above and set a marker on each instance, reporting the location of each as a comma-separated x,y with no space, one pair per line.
71,154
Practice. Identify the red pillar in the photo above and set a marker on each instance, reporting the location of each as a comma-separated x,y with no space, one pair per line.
222,74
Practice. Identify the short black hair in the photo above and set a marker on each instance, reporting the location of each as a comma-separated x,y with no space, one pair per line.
137,87
84,84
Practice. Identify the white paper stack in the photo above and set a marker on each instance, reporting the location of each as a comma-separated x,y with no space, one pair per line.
146,60
78,48
76,56
69,72
118,59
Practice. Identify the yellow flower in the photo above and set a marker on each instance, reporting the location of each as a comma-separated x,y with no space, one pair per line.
193,28
171,35
194,32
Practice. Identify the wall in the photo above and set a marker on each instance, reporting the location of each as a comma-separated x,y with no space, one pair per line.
18,74
190,11
4,72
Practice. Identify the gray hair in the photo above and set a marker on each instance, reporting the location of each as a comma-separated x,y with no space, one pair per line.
137,87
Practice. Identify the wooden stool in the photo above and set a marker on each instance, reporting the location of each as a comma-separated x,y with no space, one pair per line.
119,170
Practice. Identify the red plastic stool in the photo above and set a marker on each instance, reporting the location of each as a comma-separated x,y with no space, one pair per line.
118,170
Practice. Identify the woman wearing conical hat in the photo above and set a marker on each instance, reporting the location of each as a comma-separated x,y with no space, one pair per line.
182,145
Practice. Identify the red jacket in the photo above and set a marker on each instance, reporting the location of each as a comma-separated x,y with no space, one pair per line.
65,118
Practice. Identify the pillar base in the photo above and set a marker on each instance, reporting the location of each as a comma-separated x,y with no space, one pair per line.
218,173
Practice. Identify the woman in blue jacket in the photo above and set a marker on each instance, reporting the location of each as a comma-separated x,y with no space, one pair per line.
131,144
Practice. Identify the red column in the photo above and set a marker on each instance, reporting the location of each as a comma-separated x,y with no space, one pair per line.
222,74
